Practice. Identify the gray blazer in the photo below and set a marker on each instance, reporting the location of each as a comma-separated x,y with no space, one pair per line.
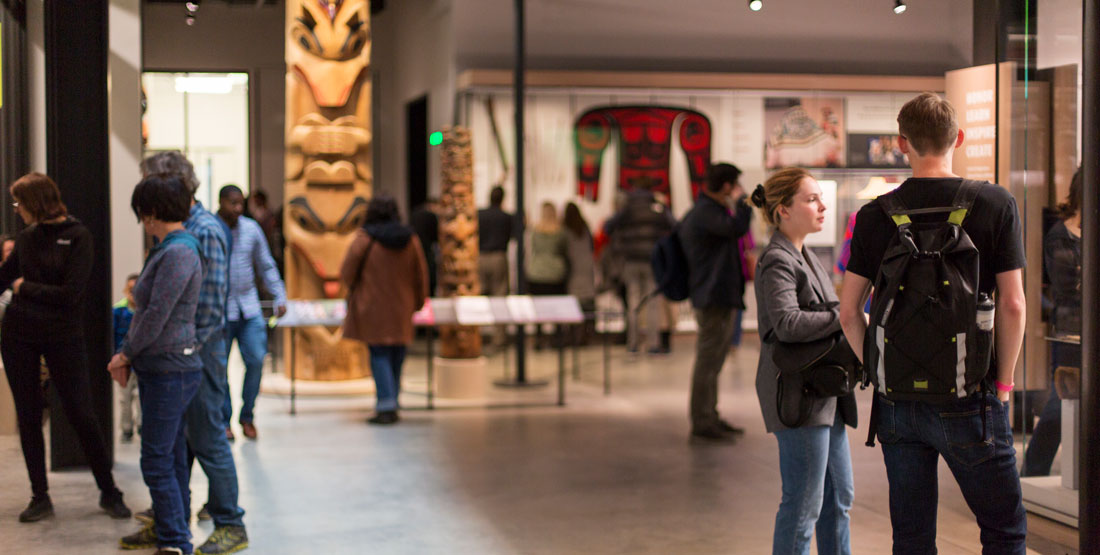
785,285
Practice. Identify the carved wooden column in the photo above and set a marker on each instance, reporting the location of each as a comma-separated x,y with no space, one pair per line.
458,240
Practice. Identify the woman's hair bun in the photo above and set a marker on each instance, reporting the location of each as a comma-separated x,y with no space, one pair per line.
758,196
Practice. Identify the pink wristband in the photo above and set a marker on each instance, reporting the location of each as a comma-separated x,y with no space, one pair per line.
1003,387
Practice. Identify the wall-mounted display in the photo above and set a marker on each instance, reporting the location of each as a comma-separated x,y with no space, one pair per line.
328,166
875,150
807,132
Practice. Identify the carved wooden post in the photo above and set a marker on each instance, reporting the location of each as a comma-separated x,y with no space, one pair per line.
328,166
458,240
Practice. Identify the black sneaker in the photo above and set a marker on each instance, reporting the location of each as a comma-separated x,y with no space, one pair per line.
128,437
145,516
225,539
730,428
384,418
146,538
111,501
203,513
38,509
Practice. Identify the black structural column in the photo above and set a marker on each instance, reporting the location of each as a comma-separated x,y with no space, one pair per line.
14,160
1089,511
519,92
77,158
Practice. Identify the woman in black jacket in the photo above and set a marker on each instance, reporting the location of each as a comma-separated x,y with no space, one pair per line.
47,273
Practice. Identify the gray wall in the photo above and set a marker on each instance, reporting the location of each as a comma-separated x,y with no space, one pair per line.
230,38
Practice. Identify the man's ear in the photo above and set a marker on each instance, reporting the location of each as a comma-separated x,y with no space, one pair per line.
903,144
959,141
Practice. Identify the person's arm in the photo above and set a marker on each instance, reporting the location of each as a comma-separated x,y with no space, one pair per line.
778,281
9,270
215,285
722,225
173,272
420,275
264,264
74,277
352,265
1008,325
853,294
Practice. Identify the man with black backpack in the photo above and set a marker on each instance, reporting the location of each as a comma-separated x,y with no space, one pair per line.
709,235
936,251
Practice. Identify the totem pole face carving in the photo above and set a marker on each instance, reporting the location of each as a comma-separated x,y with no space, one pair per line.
458,235
328,167
645,135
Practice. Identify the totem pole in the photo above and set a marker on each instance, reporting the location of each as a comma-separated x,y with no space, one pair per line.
458,240
645,137
328,166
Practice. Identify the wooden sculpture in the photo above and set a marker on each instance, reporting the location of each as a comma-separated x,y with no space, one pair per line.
458,240
328,166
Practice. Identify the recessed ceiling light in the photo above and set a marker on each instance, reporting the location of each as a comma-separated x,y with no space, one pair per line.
756,5
899,6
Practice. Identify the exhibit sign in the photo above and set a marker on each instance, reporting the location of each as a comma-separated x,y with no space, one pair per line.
321,312
986,150
804,131
474,311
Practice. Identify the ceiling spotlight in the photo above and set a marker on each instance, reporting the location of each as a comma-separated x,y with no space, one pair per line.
756,5
899,6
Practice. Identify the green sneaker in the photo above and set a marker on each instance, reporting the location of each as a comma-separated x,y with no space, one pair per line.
146,538
225,539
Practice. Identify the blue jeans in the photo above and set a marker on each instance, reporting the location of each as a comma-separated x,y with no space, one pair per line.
385,368
914,435
166,385
206,436
251,336
818,490
1044,442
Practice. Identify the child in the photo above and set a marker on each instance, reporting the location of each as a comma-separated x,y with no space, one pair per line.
131,409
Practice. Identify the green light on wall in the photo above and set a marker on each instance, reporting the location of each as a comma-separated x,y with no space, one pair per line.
435,139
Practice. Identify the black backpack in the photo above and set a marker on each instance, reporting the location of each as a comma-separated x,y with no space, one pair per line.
670,267
923,342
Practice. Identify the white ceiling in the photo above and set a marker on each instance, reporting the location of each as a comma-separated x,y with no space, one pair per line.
818,36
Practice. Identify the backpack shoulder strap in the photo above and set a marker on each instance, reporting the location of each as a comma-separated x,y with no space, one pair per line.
964,200
895,209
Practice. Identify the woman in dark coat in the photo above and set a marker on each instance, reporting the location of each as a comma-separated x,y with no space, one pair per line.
47,272
387,280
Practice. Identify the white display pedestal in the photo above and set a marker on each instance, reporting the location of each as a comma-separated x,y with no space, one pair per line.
1057,497
461,378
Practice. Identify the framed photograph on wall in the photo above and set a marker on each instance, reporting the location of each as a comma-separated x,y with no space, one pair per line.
804,131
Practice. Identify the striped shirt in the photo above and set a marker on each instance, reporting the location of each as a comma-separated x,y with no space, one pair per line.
210,315
251,256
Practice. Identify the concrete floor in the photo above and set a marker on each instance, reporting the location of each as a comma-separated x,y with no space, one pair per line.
612,474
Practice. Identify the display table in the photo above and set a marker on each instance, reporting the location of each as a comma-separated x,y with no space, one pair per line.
465,311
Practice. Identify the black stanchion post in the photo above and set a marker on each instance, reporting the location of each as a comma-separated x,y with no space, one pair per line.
1089,462
518,94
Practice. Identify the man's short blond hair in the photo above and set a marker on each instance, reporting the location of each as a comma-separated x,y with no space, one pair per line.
929,123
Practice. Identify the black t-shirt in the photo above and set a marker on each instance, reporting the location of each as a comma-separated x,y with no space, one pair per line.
993,224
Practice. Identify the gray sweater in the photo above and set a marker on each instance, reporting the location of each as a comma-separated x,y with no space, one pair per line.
166,295
785,285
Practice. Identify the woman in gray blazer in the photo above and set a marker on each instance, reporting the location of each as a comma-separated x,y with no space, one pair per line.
796,302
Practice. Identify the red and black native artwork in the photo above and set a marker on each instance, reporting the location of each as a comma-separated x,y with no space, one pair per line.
645,137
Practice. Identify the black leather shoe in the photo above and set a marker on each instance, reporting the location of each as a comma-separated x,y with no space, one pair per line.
384,418
730,428
38,509
111,501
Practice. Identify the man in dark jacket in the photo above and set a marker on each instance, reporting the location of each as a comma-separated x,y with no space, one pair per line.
709,236
634,231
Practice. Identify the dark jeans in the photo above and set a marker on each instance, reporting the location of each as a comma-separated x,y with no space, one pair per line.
22,349
385,368
715,324
915,434
251,336
166,385
206,436
1047,436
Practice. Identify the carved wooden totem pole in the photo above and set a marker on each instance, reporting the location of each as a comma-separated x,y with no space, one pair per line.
328,166
458,240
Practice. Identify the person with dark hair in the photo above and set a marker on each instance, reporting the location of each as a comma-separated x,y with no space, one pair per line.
122,314
48,272
387,281
496,228
205,425
160,348
709,235
1062,259
582,269
246,324
634,231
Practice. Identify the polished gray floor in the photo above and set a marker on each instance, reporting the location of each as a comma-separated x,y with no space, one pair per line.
605,474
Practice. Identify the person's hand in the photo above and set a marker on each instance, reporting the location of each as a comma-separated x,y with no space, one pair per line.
280,311
119,367
16,285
